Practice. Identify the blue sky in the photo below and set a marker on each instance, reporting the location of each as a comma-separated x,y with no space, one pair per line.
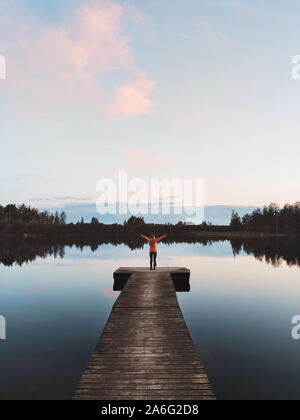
164,88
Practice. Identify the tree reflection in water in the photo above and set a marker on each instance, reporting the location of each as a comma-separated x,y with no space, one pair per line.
273,250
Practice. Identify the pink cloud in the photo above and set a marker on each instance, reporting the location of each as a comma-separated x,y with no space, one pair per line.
242,8
38,177
134,14
144,158
132,100
88,44
211,34
238,5
194,117
52,66
136,154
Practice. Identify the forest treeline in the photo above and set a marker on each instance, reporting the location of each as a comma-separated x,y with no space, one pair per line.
23,221
271,219
28,233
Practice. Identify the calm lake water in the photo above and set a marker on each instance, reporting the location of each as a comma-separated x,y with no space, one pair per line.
238,311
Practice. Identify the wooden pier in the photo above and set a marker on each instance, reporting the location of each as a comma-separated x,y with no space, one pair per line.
145,351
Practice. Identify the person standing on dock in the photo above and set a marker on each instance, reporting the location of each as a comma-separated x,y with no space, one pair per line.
153,248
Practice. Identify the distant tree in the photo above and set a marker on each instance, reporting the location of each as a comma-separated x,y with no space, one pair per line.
63,218
25,220
235,223
56,218
11,212
273,216
95,221
135,221
274,206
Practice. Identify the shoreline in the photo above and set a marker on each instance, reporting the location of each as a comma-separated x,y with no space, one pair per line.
189,235
230,235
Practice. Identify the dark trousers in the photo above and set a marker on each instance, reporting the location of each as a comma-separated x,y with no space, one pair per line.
153,256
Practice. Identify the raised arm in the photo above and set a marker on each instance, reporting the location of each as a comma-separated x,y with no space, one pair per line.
160,238
145,237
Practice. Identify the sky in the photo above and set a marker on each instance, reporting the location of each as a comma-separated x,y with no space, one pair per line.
160,88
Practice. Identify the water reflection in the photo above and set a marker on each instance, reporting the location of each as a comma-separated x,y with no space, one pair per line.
274,251
239,313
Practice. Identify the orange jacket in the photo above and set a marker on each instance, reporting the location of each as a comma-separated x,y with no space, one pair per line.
153,242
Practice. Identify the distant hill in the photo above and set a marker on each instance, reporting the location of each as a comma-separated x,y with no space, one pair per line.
217,215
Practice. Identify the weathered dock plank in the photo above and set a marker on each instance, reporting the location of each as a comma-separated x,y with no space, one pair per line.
145,351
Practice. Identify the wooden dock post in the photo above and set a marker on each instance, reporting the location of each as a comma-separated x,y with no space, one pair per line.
145,351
